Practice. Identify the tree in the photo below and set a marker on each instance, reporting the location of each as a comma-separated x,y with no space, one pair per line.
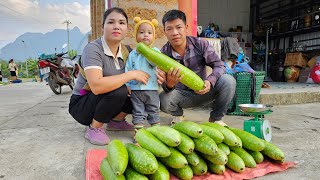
72,53
4,68
33,69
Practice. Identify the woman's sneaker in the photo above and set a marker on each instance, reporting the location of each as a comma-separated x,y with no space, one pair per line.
123,125
97,136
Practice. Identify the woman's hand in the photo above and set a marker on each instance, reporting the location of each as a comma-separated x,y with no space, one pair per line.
140,76
161,76
207,87
173,77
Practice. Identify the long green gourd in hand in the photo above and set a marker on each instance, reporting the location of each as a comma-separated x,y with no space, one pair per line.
190,79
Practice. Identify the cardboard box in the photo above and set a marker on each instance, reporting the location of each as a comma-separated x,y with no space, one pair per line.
296,59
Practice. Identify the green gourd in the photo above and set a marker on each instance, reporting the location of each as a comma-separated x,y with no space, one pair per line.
118,157
165,63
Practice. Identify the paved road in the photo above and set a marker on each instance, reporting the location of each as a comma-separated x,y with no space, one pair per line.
40,140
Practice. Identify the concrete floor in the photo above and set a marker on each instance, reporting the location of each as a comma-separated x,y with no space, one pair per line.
40,140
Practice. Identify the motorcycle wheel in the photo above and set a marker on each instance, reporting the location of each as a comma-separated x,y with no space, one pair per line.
53,83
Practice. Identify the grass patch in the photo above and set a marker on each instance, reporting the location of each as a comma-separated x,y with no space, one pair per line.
3,83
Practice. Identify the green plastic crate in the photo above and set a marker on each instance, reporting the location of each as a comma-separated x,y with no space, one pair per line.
243,90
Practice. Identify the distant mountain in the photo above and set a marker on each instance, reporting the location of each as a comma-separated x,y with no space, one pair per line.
31,44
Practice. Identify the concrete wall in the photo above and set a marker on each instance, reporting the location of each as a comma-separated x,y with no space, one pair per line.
146,9
225,13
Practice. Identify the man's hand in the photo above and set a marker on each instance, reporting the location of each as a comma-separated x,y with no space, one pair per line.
207,87
173,77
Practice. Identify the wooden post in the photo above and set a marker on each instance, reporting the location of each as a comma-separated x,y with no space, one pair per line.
189,7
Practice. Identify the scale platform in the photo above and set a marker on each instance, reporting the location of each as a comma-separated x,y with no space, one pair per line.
257,126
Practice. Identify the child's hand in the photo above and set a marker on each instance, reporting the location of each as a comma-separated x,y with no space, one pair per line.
161,76
129,91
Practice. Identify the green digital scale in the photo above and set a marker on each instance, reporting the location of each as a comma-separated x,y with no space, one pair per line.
257,126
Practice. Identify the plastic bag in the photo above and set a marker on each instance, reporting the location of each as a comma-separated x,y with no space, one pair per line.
243,67
315,73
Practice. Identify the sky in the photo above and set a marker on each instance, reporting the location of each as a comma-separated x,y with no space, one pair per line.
41,16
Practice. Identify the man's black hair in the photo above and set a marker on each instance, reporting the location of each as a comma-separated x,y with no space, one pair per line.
116,9
174,14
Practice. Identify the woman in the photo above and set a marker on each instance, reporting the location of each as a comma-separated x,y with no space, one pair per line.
0,74
12,68
100,95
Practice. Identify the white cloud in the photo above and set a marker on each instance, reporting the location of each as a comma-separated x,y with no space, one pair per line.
36,2
35,16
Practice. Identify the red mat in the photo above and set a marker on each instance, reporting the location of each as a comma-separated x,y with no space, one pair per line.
95,156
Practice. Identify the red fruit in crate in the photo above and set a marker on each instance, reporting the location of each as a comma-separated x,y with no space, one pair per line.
315,73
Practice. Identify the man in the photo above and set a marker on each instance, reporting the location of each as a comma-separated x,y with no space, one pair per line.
195,54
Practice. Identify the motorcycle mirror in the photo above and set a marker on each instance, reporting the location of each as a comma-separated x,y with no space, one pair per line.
64,46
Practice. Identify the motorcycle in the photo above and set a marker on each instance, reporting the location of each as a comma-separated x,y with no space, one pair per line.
60,70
